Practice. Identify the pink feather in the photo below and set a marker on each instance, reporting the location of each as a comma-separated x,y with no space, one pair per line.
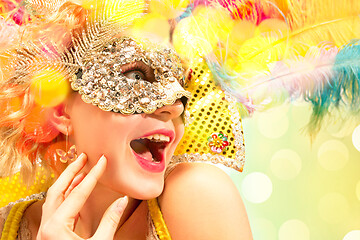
9,34
293,78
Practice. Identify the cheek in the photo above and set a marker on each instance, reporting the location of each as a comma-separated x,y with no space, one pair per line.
94,130
97,132
179,129
88,135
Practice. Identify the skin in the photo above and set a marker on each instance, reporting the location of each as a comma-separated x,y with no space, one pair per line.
110,134
198,201
122,175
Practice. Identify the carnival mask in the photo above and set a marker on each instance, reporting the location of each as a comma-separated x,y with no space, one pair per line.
103,82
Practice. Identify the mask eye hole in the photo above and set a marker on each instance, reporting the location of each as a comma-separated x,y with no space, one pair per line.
135,75
138,71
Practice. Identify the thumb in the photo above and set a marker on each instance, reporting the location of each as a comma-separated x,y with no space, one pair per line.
111,219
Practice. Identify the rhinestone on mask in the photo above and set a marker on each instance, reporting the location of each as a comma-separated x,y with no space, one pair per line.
103,84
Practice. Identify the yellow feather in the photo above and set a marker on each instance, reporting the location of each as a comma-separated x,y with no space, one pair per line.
324,20
302,13
336,31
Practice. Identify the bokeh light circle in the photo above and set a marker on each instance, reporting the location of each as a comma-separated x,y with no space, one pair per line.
37,125
358,190
333,155
169,8
263,228
273,123
151,26
49,87
356,138
340,129
285,164
256,187
333,208
294,229
353,235
194,36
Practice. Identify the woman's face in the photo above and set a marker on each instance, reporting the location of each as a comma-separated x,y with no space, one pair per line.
138,147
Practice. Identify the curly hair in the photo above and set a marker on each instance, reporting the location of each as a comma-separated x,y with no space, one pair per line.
18,151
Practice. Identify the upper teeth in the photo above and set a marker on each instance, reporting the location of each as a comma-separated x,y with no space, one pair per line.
158,137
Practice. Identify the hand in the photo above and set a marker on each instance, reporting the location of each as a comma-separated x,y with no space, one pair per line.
66,197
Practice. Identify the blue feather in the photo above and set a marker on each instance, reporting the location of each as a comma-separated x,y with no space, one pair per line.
342,90
228,83
186,13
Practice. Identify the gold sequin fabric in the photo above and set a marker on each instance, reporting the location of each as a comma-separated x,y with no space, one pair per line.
213,119
13,188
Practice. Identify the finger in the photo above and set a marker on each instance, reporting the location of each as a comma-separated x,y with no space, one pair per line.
55,194
74,183
78,196
65,179
110,221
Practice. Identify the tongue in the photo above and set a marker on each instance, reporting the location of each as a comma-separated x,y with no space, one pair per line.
140,147
154,149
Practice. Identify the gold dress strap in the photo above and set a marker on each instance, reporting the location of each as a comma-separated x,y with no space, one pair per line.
158,220
12,222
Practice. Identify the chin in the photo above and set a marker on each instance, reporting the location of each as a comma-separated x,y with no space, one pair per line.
148,190
138,186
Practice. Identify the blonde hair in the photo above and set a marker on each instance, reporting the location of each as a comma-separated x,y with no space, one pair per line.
17,150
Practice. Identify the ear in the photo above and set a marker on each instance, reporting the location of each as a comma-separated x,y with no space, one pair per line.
61,120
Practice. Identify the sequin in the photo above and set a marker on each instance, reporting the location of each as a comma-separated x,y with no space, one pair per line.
103,84
210,110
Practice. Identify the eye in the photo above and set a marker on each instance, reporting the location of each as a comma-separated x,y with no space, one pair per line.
138,71
136,75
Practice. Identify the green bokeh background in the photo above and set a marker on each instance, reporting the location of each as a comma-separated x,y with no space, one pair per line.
315,194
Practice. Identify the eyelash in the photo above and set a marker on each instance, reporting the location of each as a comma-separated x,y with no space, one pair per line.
140,68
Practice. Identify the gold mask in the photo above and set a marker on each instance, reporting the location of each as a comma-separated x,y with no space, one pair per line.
102,82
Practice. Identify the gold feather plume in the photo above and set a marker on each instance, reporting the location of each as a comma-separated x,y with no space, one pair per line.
105,20
316,22
41,53
325,20
109,19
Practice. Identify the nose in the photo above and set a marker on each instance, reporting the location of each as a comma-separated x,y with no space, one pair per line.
169,112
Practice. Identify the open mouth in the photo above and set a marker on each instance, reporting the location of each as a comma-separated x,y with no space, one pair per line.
151,147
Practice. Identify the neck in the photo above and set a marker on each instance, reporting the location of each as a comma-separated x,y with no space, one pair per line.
94,208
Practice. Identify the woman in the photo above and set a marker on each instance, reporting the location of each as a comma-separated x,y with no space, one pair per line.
125,117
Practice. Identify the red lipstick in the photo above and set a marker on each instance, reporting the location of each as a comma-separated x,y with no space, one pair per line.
149,154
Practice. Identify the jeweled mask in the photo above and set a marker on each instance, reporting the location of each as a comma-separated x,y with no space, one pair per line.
103,81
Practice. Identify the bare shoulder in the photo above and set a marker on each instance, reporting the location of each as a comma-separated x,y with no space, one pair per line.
33,215
200,201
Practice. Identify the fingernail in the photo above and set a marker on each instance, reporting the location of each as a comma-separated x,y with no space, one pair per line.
121,204
81,157
102,159
101,162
